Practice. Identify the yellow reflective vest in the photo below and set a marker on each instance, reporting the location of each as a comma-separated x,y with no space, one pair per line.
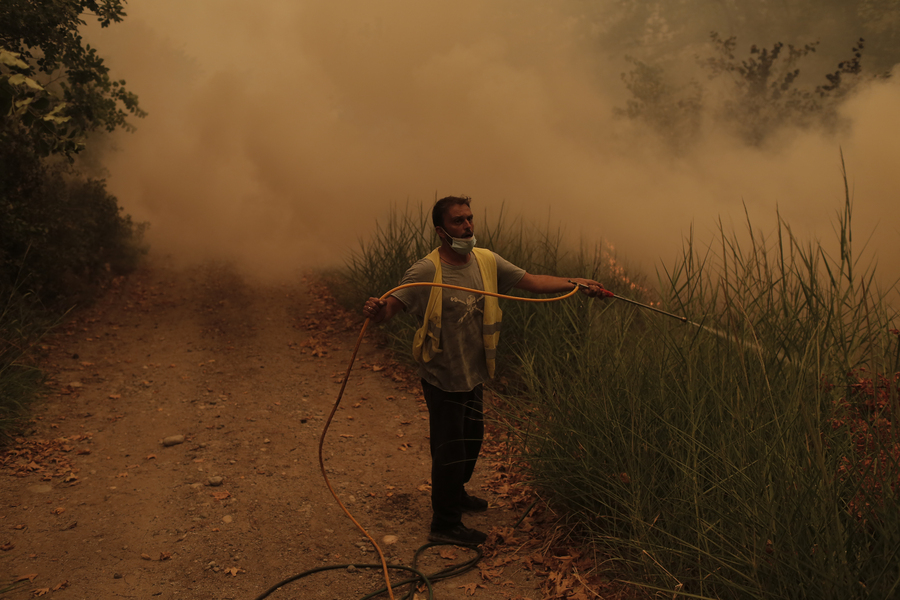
427,340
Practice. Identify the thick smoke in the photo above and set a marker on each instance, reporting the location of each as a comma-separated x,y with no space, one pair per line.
278,132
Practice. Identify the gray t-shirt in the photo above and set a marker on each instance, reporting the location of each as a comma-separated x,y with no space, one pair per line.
460,366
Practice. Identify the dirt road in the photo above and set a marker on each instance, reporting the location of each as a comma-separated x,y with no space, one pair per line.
102,499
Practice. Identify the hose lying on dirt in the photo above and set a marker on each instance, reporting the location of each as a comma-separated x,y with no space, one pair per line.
413,582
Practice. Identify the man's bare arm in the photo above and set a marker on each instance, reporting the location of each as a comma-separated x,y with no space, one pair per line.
549,284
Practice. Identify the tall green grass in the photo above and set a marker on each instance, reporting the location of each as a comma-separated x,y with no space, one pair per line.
713,466
21,327
380,262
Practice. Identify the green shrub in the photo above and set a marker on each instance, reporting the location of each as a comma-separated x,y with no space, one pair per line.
63,235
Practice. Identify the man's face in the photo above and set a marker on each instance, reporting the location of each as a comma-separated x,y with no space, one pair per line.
458,221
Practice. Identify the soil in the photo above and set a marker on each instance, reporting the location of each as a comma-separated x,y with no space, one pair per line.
175,454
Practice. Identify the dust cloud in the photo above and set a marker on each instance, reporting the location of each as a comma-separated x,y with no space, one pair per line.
279,132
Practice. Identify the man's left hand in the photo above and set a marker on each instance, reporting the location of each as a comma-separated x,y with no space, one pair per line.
592,288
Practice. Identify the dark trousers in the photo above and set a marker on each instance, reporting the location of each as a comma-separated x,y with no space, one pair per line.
456,424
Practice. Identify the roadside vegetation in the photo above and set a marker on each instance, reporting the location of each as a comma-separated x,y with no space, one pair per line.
755,457
62,235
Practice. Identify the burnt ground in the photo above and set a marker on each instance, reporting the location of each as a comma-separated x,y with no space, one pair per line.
100,499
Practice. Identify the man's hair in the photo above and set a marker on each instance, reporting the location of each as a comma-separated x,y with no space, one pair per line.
441,206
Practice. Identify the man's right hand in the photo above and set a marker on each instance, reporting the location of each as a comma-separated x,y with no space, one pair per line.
381,309
372,307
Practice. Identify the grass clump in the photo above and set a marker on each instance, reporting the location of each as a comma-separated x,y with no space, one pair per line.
758,463
20,330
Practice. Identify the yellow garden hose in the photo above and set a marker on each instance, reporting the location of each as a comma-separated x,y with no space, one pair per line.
347,376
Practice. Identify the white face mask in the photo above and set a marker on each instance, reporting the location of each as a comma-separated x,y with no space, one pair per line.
461,246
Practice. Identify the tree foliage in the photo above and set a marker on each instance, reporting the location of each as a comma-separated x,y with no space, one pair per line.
758,93
673,111
655,31
62,236
766,92
54,88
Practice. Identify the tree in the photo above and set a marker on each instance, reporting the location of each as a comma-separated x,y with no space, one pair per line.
59,232
54,88
672,111
765,90
760,93
62,236
657,32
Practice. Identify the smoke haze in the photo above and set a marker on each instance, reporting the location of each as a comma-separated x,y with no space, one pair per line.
279,132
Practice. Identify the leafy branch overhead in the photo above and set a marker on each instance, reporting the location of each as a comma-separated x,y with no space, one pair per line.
754,96
760,75
54,88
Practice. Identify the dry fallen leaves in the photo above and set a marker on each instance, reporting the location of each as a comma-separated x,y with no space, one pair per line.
47,458
488,574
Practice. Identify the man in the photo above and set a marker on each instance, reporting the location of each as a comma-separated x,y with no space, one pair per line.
455,350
